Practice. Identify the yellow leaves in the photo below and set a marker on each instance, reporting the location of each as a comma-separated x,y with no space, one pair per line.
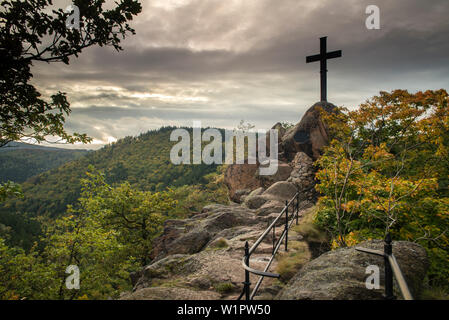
350,206
351,239
377,152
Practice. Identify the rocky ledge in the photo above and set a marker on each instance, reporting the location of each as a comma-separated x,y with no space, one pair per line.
341,274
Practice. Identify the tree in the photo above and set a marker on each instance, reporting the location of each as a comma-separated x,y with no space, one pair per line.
386,171
29,34
136,216
8,189
107,234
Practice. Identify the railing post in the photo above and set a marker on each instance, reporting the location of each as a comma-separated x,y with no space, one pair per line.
297,206
247,283
274,237
388,250
286,224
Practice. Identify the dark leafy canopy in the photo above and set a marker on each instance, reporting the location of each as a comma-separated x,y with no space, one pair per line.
27,34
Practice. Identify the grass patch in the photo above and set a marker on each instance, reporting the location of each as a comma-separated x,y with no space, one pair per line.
221,243
308,229
224,287
290,262
218,244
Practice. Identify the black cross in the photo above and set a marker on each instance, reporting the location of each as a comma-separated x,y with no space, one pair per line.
323,57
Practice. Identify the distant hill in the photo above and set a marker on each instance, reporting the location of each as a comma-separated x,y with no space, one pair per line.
20,161
143,161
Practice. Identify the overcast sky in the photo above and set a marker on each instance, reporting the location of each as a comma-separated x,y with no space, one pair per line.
220,61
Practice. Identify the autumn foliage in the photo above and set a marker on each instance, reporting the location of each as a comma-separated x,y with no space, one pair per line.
387,170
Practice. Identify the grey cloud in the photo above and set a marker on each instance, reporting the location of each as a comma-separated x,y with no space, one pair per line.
248,59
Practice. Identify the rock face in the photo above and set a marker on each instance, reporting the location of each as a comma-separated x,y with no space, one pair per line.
189,236
180,270
281,190
309,135
275,195
240,177
340,274
303,176
307,138
240,195
282,174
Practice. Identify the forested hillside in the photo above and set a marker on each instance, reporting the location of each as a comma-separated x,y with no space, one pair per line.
143,161
20,161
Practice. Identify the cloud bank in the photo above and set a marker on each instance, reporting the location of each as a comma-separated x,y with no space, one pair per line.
222,61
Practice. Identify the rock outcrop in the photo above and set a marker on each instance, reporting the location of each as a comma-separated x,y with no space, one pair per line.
201,257
340,274
240,177
276,194
309,135
190,236
298,148
213,272
282,174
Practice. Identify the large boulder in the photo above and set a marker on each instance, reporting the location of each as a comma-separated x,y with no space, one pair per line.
255,202
282,174
341,274
280,191
277,193
271,206
309,135
240,177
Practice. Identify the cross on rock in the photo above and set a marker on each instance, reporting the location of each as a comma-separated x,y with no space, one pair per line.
323,57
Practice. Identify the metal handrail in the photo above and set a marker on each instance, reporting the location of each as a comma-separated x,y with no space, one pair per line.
276,246
391,268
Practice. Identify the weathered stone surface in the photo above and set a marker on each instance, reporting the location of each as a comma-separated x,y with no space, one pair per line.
303,173
191,235
240,195
271,206
303,176
280,191
241,176
204,271
340,274
191,242
255,202
217,265
282,174
309,135
281,131
161,293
